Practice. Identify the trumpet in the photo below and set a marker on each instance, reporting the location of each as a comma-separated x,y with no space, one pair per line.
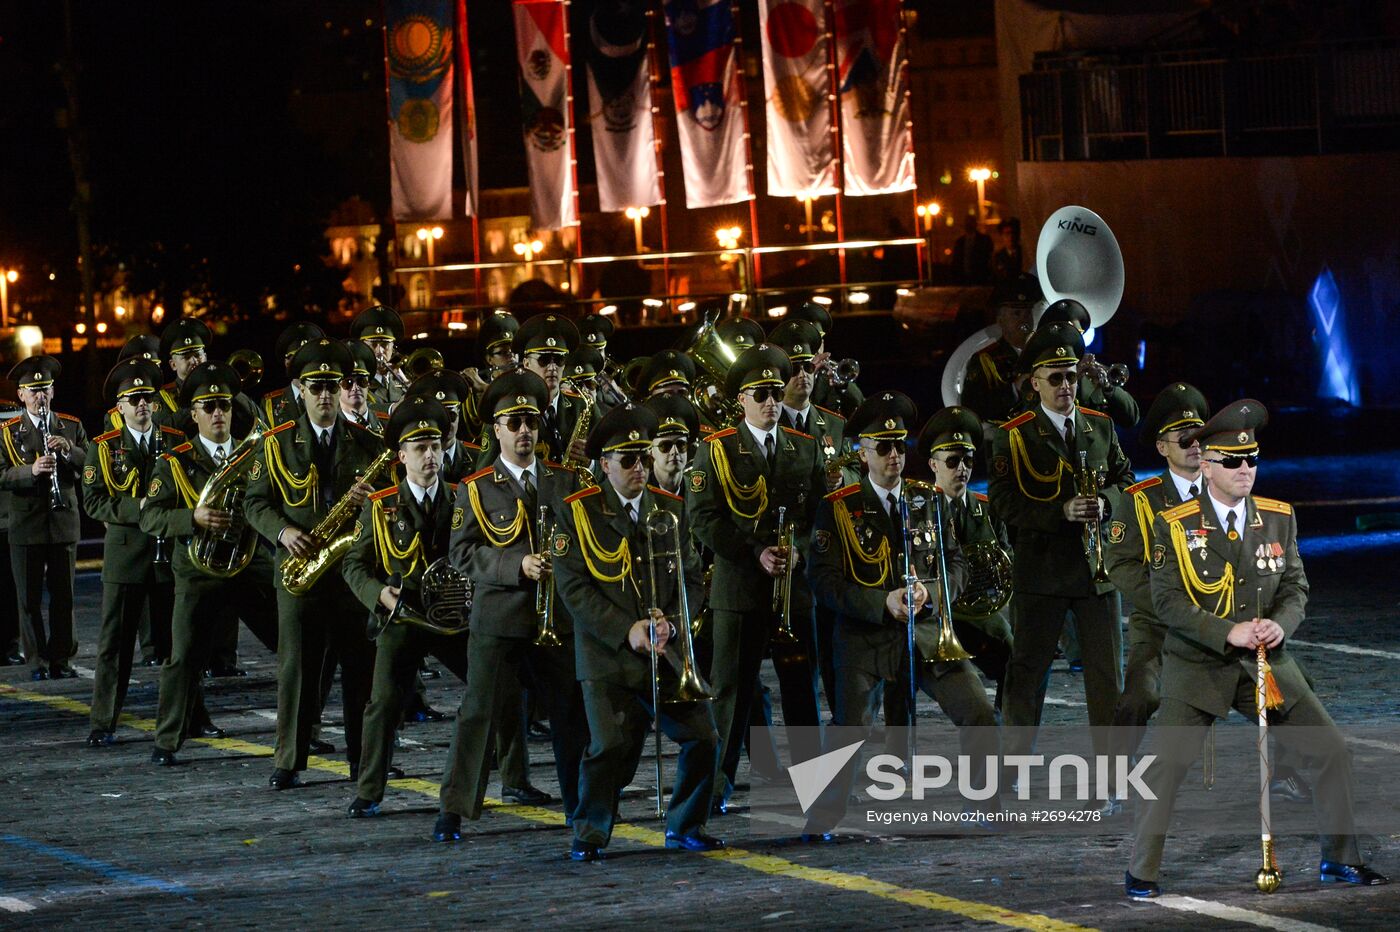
1115,375
841,372
544,589
782,584
56,502
1087,483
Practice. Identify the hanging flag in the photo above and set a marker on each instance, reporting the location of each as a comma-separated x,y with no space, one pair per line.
801,156
468,122
876,137
619,89
418,39
542,45
706,82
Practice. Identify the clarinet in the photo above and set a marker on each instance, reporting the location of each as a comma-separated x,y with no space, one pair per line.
56,502
162,554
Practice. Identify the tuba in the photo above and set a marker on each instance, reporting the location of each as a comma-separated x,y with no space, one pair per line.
443,607
225,553
299,574
713,357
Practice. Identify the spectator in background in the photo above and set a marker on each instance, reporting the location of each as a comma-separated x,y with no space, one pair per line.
972,255
1008,261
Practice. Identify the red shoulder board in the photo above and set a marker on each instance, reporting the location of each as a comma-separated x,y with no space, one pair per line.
836,414
471,446
1144,484
584,493
107,436
285,425
183,448
1092,412
1018,420
382,415
721,434
980,496
12,421
551,465
570,392
485,471
68,417
275,393
665,493
357,427
383,493
843,492
172,430
1272,504
798,433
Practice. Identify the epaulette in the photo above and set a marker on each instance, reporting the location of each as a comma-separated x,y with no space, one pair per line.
68,417
383,493
717,435
836,414
583,493
570,392
166,428
11,422
1144,484
484,471
471,446
794,431
1018,420
660,491
1184,510
285,425
980,496
168,386
275,393
1083,410
843,492
185,447
107,436
382,415
356,426
552,465
1273,504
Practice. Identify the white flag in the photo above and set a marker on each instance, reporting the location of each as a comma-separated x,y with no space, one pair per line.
796,82
419,39
541,38
619,91
877,142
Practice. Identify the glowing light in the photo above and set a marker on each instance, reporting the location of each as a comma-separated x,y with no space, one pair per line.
456,325
779,311
1338,374
637,213
80,328
728,237
931,209
31,337
119,311
12,276
52,276
859,297
420,336
101,326
979,174
739,297
653,302
158,313
821,299
903,292
607,310
425,232
685,306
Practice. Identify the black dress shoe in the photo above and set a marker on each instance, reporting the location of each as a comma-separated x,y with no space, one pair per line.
206,730
283,779
1360,874
1140,889
101,739
719,806
221,672
1291,787
363,809
62,672
817,838
694,841
320,747
426,714
11,658
585,851
40,674
538,731
393,773
448,827
152,662
163,758
527,795
427,672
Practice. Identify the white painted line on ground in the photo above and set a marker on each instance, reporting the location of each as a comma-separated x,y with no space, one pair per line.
12,904
1349,649
1373,743
1237,914
269,714
85,673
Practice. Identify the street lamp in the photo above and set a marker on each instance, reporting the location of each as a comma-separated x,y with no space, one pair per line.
807,227
528,251
980,175
430,235
9,278
927,212
728,237
637,215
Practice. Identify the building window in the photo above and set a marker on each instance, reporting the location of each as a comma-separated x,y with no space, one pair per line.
418,292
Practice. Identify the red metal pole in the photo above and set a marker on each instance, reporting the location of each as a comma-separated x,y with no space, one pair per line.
748,141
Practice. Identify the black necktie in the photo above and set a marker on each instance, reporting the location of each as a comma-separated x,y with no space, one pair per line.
527,483
631,513
896,517
1069,434
552,429
802,423
142,444
1195,491
325,466
770,449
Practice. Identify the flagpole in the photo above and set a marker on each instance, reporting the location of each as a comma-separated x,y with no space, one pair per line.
835,97
653,82
748,148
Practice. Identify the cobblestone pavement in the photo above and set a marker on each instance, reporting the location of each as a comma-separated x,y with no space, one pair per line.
103,838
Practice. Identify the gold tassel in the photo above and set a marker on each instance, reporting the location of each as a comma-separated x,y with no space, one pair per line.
1273,696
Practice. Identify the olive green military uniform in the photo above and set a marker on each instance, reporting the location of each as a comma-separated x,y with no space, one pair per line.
988,638
375,325
134,586
616,679
989,387
43,541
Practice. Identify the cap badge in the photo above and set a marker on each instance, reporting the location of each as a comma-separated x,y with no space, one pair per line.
520,399
189,340
957,435
1244,436
634,435
379,329
325,367
441,395
767,373
889,423
1061,351
797,347
422,425
675,374
138,382
551,342
215,388
1188,413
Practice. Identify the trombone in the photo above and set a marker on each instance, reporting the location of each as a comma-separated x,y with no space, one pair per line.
948,647
544,589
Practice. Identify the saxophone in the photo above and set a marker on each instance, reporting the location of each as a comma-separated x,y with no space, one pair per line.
225,553
299,574
581,428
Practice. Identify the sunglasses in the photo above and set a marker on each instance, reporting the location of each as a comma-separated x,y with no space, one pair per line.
138,398
955,460
666,446
762,395
629,460
1059,378
1234,462
545,360
883,447
354,381
322,386
804,367
210,405
515,422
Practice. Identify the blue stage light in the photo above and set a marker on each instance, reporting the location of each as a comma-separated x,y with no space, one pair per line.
1338,374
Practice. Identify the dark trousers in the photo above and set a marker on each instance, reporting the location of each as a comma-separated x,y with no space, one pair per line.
740,641
124,607
1305,731
1038,621
399,651
1142,683
618,722
192,642
36,566
9,606
307,625
155,624
550,671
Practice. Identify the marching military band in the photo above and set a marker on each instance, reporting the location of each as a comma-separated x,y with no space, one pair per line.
506,520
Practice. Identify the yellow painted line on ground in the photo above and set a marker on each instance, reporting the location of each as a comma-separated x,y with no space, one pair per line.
751,860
